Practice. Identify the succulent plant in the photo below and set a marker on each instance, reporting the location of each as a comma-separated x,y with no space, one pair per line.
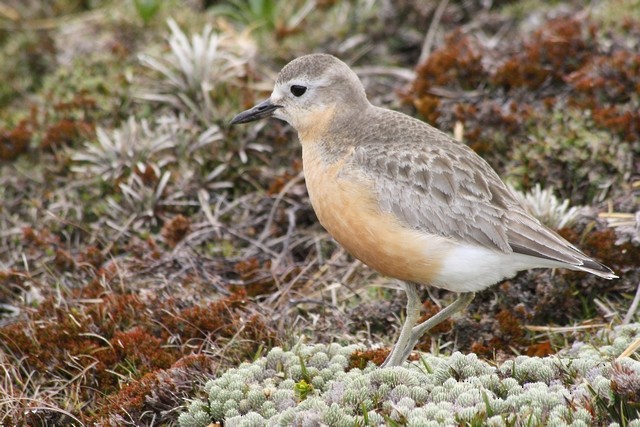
575,388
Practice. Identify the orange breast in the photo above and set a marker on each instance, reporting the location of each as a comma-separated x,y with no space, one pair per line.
346,207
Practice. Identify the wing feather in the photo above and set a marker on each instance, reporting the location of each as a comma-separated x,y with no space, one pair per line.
439,187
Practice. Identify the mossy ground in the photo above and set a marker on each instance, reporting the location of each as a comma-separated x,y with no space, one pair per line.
145,246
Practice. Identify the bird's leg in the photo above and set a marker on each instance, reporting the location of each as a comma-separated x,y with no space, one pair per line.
419,330
406,333
408,340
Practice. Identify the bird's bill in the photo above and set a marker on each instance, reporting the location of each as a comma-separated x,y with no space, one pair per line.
261,111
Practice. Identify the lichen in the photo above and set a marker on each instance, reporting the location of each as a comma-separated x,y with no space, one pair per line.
580,386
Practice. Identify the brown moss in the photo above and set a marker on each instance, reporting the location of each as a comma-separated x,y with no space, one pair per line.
257,276
431,309
92,256
147,174
65,132
541,349
457,64
562,46
154,394
360,359
567,61
14,142
279,182
176,229
138,348
601,244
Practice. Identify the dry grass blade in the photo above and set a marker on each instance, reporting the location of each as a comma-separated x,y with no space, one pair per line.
565,329
632,348
627,225
633,308
431,32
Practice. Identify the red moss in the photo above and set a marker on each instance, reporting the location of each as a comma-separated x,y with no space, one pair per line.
139,348
64,261
563,60
601,245
482,349
80,102
360,359
611,78
40,239
143,249
541,349
14,142
101,335
196,362
508,335
457,63
279,182
257,276
216,319
561,47
92,256
162,389
623,122
65,132
510,326
176,229
247,268
147,174
431,310
427,105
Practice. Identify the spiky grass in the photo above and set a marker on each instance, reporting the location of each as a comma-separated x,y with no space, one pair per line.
196,70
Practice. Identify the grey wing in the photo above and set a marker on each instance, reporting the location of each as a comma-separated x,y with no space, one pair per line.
445,190
436,184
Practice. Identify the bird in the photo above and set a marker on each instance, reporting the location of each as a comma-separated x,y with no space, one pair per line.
405,198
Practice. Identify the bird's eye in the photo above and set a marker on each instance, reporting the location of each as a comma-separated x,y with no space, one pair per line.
298,90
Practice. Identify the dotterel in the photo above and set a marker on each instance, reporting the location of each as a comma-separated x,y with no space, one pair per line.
405,198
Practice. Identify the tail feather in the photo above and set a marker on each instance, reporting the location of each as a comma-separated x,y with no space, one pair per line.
528,236
594,267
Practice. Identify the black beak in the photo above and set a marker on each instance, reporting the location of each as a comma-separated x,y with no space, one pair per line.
263,110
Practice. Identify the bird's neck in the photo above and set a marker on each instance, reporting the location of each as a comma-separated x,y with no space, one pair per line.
315,124
331,130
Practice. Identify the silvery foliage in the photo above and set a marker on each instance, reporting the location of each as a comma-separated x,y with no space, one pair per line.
545,206
558,390
194,69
